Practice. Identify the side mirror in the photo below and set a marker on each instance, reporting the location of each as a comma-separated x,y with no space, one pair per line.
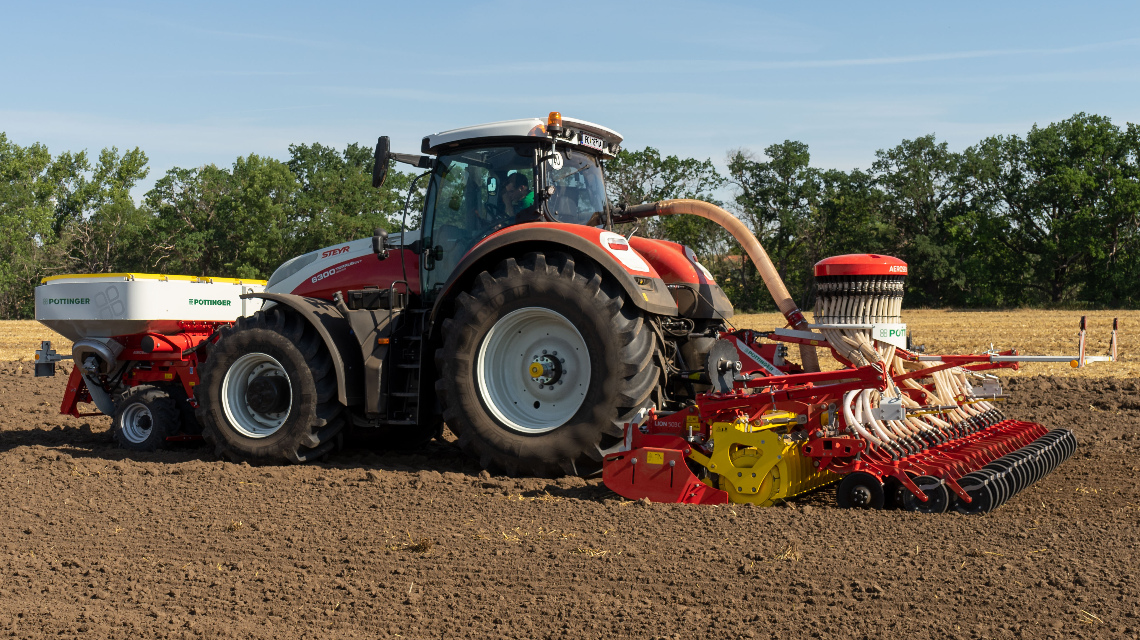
383,158
380,241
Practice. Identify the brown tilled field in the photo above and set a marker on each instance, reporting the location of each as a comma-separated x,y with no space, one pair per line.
98,542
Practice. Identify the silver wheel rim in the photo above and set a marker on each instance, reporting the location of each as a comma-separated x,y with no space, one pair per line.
250,423
519,401
136,423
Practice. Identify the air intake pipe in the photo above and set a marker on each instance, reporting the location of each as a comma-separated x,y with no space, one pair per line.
751,246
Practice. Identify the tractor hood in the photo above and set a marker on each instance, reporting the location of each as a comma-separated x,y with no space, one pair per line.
349,265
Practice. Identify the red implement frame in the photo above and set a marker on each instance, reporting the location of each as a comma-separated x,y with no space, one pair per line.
653,464
162,359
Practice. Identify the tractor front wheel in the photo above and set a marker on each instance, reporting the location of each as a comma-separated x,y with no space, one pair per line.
543,361
268,391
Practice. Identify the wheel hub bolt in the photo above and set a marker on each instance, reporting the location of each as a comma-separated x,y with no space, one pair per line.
268,394
545,370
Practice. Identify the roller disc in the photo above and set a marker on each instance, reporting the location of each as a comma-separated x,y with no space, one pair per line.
1065,449
860,490
1071,438
997,488
1045,465
1042,464
1006,468
1046,459
981,497
1051,456
1022,469
1007,486
1068,441
936,492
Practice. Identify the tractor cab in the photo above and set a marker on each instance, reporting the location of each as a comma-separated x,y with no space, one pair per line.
491,176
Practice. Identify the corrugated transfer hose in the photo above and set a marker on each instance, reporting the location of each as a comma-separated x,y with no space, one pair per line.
751,246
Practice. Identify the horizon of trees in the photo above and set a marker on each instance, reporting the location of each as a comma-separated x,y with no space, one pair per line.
1051,218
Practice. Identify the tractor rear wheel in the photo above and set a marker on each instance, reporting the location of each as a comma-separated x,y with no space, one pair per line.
268,391
543,362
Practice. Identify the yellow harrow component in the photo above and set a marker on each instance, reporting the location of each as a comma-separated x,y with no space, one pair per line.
757,464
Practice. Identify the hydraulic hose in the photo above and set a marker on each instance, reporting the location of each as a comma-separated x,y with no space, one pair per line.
876,428
751,246
853,422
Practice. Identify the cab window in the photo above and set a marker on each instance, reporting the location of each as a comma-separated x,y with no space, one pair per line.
473,193
579,192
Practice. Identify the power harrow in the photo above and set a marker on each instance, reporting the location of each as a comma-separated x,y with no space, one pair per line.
892,428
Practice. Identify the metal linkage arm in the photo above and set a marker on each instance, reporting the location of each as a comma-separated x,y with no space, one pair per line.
795,388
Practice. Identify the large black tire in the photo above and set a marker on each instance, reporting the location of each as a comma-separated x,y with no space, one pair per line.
144,417
302,415
620,348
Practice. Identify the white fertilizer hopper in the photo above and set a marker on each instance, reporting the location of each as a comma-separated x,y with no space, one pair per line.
80,306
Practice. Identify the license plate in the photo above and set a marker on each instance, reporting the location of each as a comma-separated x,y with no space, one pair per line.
588,140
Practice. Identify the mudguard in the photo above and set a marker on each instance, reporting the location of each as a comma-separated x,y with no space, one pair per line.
637,277
337,335
693,288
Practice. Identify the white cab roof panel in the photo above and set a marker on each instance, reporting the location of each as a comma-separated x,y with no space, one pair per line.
523,128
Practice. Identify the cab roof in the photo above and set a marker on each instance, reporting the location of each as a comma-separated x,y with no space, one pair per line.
508,130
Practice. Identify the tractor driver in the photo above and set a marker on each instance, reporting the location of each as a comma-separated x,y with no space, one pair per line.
518,198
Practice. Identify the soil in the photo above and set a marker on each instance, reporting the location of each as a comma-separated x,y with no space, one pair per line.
98,542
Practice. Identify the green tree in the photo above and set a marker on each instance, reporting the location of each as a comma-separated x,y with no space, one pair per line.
639,177
923,194
779,198
226,223
26,217
63,214
1066,201
335,201
103,230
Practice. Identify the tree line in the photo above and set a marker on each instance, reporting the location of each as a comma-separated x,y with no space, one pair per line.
1048,219
74,214
1051,218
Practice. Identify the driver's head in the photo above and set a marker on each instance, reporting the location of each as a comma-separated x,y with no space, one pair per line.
516,187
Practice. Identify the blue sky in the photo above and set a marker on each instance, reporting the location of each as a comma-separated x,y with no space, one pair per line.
197,83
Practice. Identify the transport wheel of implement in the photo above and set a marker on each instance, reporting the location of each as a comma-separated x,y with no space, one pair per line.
144,417
268,391
860,490
936,492
543,361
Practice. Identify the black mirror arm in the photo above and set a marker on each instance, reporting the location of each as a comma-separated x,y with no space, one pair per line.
421,162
